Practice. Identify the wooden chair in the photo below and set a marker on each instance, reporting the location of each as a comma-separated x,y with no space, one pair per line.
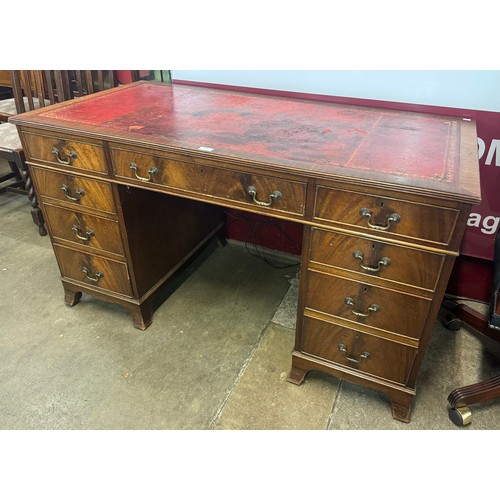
78,83
7,103
9,106
32,89
487,329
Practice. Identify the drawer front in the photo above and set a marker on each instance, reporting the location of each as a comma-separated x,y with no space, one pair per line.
359,351
65,152
370,305
212,182
376,258
75,190
385,216
103,273
86,230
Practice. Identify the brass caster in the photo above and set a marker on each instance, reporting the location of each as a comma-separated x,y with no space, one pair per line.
460,416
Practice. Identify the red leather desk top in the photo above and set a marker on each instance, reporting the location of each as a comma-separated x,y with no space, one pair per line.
389,147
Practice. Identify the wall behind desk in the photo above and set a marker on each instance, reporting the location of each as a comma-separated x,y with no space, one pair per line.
471,94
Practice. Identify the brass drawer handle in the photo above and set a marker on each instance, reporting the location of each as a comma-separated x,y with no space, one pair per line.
69,156
393,219
372,309
79,193
77,231
384,261
363,355
151,171
275,195
92,276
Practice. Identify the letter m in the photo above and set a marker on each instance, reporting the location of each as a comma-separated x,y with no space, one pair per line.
495,144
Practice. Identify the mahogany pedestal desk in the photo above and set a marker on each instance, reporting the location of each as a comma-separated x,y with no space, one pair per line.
132,180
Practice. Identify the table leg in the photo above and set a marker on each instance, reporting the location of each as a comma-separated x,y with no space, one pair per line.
142,315
401,408
71,297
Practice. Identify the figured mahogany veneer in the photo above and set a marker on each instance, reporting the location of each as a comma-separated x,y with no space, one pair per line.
74,191
419,221
94,271
83,230
358,351
64,150
375,307
205,180
376,261
131,183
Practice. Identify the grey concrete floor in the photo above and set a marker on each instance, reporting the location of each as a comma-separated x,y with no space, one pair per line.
215,357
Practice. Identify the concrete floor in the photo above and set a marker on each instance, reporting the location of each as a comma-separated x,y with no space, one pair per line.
215,357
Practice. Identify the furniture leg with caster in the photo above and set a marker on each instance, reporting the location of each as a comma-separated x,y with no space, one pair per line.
487,329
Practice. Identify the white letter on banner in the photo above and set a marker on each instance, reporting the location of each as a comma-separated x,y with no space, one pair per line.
474,220
490,224
495,143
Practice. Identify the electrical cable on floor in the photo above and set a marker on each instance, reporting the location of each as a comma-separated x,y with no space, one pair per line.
252,231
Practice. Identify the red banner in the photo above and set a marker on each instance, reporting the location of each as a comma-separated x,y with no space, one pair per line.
484,220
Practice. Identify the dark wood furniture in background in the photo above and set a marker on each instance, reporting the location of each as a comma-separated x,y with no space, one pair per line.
58,86
79,83
5,78
130,182
11,151
34,83
32,90
487,329
5,91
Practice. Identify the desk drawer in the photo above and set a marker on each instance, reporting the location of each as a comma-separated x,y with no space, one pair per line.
370,305
385,216
212,182
87,230
65,152
376,258
100,272
74,190
365,353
